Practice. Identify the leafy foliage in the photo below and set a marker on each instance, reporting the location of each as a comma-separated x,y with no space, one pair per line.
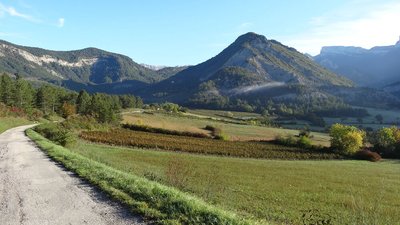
346,139
387,141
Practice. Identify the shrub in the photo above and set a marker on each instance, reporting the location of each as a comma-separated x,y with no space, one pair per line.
68,110
304,142
387,141
346,139
56,133
287,141
217,133
368,155
78,122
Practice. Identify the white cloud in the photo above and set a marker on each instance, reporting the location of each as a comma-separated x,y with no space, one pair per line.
245,25
13,12
61,22
360,25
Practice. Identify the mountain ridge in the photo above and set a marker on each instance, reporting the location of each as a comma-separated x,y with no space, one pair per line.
376,67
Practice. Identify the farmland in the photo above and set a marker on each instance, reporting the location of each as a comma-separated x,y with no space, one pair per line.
202,145
349,192
234,131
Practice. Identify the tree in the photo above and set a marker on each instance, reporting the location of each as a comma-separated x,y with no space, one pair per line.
83,102
103,108
346,139
46,99
68,109
7,87
387,140
23,94
379,118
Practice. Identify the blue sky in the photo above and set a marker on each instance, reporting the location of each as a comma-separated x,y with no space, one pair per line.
184,32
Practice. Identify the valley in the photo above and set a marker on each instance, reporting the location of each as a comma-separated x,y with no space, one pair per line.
189,117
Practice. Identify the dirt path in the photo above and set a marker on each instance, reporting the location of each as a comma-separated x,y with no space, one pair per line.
35,190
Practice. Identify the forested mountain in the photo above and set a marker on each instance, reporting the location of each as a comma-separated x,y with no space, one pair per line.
377,67
86,66
252,74
252,62
247,74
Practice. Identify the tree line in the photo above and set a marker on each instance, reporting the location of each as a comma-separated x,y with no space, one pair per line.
20,95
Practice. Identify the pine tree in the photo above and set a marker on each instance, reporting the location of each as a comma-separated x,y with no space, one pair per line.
83,102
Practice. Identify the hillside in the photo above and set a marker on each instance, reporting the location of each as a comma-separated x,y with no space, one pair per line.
251,69
376,67
257,60
86,66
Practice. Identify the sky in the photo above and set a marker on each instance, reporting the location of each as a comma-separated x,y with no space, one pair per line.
187,32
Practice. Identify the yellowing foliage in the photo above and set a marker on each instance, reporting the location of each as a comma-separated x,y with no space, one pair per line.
346,139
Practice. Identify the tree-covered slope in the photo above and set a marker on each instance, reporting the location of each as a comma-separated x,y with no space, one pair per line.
250,63
86,66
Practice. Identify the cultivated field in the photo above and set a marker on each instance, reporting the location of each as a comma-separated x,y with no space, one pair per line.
234,131
347,192
124,137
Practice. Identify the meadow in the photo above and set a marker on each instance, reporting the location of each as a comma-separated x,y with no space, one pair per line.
235,132
10,122
282,192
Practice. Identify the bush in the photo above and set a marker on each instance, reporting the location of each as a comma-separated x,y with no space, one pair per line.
368,155
217,133
78,122
57,133
346,139
304,142
387,141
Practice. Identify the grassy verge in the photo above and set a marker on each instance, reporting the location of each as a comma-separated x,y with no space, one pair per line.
10,122
163,204
345,191
203,146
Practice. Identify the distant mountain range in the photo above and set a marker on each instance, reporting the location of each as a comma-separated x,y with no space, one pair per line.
251,71
378,67
251,64
87,67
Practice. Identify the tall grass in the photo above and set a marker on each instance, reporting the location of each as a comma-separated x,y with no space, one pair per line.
164,205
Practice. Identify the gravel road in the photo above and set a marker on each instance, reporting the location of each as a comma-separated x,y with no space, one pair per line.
35,190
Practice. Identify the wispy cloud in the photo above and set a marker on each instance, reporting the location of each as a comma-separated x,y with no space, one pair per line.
11,11
245,25
61,22
363,24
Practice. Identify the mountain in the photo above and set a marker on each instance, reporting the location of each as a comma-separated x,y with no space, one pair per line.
377,67
250,74
250,64
89,66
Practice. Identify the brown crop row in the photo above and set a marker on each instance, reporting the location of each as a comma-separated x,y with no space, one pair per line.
123,137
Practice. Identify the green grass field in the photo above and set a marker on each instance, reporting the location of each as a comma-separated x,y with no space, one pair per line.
348,192
238,132
157,203
10,122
